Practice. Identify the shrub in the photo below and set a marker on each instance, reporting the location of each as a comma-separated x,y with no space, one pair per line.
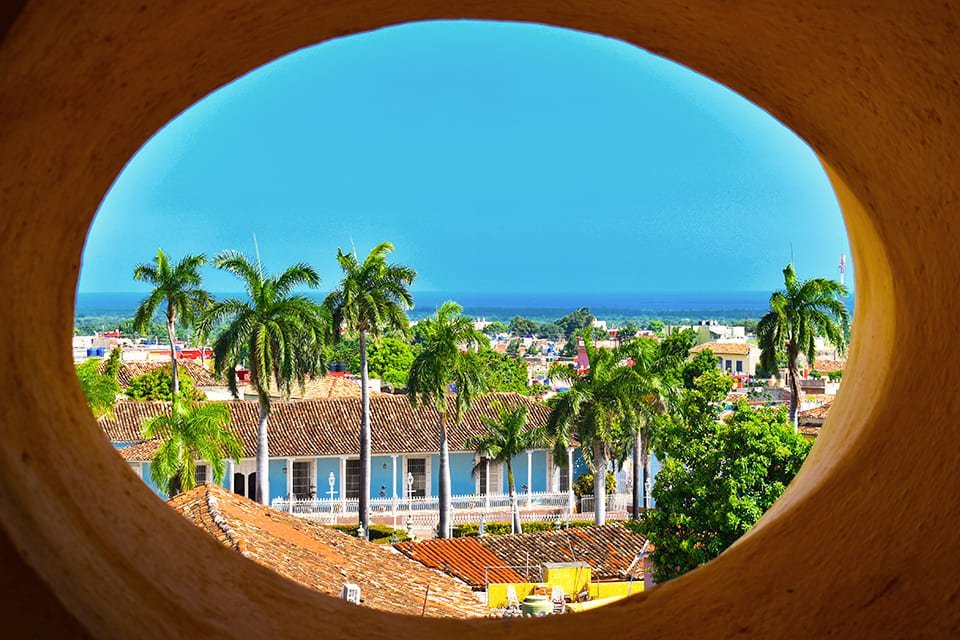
816,375
835,375
502,528
158,385
584,485
379,533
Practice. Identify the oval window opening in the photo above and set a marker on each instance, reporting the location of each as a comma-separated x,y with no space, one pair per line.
513,256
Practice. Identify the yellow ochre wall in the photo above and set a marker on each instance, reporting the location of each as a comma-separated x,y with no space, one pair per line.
871,85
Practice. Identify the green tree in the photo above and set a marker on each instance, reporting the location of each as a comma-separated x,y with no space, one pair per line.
717,478
178,286
441,368
655,390
703,361
656,326
599,409
627,331
157,385
504,373
679,343
513,347
373,297
495,328
192,431
548,331
798,313
506,437
390,358
575,321
520,326
98,380
282,333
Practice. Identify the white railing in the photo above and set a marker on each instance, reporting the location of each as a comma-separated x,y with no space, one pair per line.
385,506
616,502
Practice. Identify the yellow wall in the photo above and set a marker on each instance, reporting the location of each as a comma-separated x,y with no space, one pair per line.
572,579
600,590
497,593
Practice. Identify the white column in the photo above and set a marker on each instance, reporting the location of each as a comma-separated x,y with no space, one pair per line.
486,484
289,478
393,475
529,475
230,475
343,483
570,481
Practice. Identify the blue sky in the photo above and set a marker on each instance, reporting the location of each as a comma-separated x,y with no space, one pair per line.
495,156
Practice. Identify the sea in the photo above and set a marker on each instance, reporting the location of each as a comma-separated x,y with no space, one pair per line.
671,307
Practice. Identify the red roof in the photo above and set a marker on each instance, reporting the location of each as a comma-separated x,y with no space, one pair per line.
608,549
332,426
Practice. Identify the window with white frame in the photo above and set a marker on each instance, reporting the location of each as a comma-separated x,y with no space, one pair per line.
417,467
303,485
352,484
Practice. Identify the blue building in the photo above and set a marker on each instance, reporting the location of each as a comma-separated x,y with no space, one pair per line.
314,448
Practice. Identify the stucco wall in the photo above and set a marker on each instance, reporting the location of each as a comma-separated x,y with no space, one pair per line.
870,84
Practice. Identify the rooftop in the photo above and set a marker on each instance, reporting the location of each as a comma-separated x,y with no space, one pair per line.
810,421
324,559
330,427
724,348
321,388
201,376
608,549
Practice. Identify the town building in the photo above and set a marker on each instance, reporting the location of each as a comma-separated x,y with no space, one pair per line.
733,357
314,449
324,559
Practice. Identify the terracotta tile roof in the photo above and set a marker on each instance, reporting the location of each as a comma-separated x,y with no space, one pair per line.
817,413
140,451
826,366
321,388
322,558
724,348
463,558
201,376
608,550
810,421
332,427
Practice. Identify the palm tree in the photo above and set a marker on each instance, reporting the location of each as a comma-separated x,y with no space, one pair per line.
505,438
281,333
98,380
799,312
177,286
373,297
600,409
651,368
448,362
192,431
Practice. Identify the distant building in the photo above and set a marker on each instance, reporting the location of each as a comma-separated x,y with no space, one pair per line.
732,357
713,331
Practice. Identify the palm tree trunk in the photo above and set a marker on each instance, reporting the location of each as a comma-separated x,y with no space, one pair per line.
599,484
263,456
514,507
171,319
794,396
647,463
444,480
637,480
363,505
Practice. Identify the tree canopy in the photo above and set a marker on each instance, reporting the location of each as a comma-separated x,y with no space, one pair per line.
717,477
157,385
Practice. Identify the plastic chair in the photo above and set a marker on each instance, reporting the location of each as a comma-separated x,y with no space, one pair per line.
558,598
